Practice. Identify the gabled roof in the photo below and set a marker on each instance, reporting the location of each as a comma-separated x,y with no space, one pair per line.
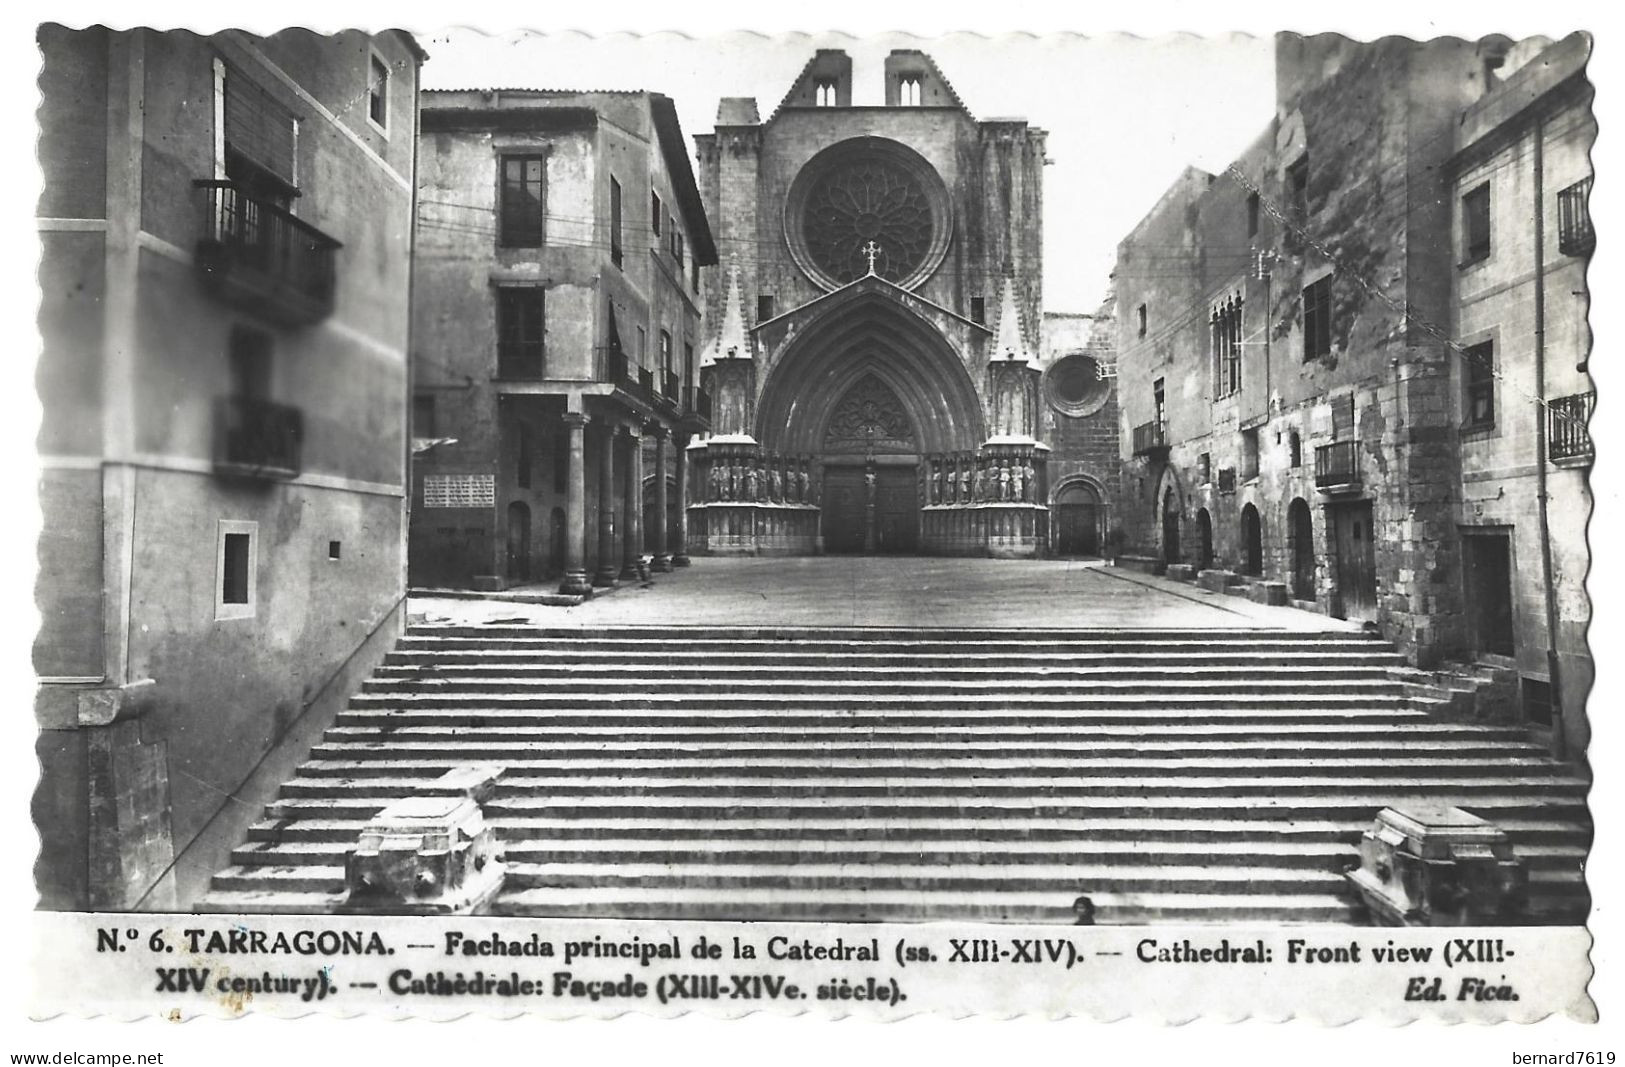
876,284
682,178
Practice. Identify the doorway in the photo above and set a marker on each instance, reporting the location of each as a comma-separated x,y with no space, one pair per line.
1077,521
1204,530
1301,527
1488,569
1252,542
518,542
1356,560
846,510
1170,527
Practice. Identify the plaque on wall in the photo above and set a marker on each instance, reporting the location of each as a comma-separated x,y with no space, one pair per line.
459,491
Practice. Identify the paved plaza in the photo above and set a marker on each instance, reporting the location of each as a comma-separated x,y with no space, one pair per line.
892,591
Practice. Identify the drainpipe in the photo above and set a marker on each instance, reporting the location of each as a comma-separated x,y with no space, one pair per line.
1559,733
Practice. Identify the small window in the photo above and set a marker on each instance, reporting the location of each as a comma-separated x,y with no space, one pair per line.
978,310
1297,189
1159,400
521,332
1294,445
1252,214
688,363
1317,319
378,94
1204,468
665,354
908,91
423,415
335,549
1475,225
1141,316
654,212
677,248
643,347
1249,454
764,307
824,93
1478,374
694,274
1574,236
615,255
235,550
523,199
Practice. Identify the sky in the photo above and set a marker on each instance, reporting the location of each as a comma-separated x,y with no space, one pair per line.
1125,115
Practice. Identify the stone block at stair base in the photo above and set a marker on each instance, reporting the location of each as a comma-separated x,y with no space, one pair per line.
1143,564
1216,581
1181,572
431,854
1267,593
1438,866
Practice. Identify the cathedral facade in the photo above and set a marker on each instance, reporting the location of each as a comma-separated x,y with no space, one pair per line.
875,349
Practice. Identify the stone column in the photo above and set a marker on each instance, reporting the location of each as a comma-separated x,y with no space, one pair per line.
632,501
662,560
575,509
679,551
607,566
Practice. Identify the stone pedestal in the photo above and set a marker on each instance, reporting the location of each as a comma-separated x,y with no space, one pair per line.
429,854
1217,581
1261,592
1438,866
1181,572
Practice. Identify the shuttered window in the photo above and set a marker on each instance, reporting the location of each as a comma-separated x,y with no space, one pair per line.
259,130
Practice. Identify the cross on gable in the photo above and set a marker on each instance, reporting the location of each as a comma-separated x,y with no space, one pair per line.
871,250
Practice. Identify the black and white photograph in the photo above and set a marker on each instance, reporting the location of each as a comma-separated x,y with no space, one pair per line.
813,522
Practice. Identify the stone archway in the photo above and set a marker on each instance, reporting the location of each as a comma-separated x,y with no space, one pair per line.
1079,517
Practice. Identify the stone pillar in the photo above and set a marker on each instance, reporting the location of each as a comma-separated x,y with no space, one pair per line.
632,501
679,551
662,560
607,566
575,510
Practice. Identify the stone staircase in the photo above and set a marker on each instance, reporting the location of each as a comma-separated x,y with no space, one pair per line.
910,774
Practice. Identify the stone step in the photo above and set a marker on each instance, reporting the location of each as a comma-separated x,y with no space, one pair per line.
981,831
835,674
1038,689
1010,708
1187,654
958,635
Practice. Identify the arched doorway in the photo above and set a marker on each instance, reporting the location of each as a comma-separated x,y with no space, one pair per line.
518,542
555,542
1252,542
1301,534
1170,527
866,391
1204,530
1077,520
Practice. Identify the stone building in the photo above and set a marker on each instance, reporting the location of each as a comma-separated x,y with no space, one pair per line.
1080,423
1296,338
874,351
226,225
1520,183
556,327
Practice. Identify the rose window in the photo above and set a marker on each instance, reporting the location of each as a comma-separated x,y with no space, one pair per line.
874,206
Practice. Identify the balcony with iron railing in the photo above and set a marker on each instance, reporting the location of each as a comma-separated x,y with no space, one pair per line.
671,387
1150,439
1568,427
255,255
697,403
1337,467
257,438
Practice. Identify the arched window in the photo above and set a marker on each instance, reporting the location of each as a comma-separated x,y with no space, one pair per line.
908,91
824,94
1224,323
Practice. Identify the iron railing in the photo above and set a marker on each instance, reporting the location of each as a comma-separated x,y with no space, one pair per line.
1337,464
255,253
670,386
698,402
1568,429
1149,438
258,438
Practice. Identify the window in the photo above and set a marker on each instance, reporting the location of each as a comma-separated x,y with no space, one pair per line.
1249,453
978,310
677,248
1224,323
1159,399
1140,314
423,415
1574,236
615,222
249,358
1479,375
908,90
694,274
236,547
1475,225
1294,445
257,139
378,94
523,201
1317,319
527,449
335,549
665,354
824,93
643,347
1297,189
521,329
1204,468
764,307
1252,214
654,212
